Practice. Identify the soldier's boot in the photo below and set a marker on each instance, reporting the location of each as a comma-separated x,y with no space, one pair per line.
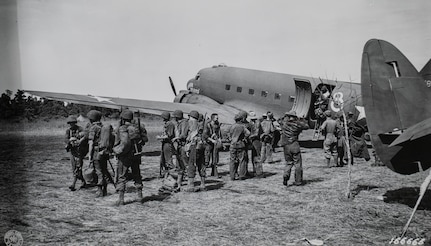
190,185
139,192
285,179
99,192
72,187
105,190
216,172
179,182
203,188
269,155
120,201
328,162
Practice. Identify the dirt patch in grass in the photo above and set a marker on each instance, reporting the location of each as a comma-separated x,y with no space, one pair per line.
36,201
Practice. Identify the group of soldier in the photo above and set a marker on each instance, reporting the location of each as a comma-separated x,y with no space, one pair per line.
99,141
190,145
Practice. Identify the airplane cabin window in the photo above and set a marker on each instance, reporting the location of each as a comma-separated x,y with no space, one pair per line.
277,96
239,89
264,93
227,87
251,91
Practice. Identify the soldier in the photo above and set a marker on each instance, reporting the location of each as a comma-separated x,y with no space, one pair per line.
255,132
195,152
291,128
331,128
76,145
130,138
168,134
238,135
212,137
100,140
267,138
181,130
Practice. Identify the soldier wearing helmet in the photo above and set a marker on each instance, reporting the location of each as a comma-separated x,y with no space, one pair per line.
267,138
75,139
255,133
291,127
331,128
130,138
238,134
100,140
167,151
195,150
212,137
181,130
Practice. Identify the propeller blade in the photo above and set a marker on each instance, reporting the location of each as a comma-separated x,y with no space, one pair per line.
172,86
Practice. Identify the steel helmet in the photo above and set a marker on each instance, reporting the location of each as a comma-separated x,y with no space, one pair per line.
94,115
127,114
194,114
71,119
178,114
166,116
238,116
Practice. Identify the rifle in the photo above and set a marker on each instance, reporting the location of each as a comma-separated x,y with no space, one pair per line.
137,152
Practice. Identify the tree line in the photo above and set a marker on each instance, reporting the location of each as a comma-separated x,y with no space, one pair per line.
20,107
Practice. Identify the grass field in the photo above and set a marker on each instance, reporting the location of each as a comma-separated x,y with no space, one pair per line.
35,200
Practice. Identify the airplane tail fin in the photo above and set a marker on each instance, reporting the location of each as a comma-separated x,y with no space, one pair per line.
426,72
393,93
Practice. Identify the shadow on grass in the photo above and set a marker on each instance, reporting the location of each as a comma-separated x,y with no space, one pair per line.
408,196
360,188
213,185
309,181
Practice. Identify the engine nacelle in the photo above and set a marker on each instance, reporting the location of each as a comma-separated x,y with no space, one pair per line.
193,98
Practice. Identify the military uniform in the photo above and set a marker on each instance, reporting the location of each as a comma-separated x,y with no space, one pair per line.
331,128
129,141
238,134
267,138
195,151
168,134
99,150
76,145
181,130
212,137
291,128
255,132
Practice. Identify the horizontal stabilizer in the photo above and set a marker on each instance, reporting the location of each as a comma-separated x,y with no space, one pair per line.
416,131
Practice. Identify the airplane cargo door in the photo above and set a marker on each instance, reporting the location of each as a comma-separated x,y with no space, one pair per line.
301,105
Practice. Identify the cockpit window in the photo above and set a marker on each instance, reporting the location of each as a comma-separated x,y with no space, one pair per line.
197,76
227,87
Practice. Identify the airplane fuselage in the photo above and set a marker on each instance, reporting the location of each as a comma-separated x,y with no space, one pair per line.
261,91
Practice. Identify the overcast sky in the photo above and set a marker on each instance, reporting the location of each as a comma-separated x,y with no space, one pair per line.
129,48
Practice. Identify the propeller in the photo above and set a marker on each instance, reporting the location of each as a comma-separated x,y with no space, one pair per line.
172,86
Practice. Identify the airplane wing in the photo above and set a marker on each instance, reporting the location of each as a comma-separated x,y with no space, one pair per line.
226,113
414,132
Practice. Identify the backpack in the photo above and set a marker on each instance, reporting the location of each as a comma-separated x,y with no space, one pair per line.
122,145
106,138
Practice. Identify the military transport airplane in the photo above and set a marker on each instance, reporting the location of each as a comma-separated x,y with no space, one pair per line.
397,101
228,90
